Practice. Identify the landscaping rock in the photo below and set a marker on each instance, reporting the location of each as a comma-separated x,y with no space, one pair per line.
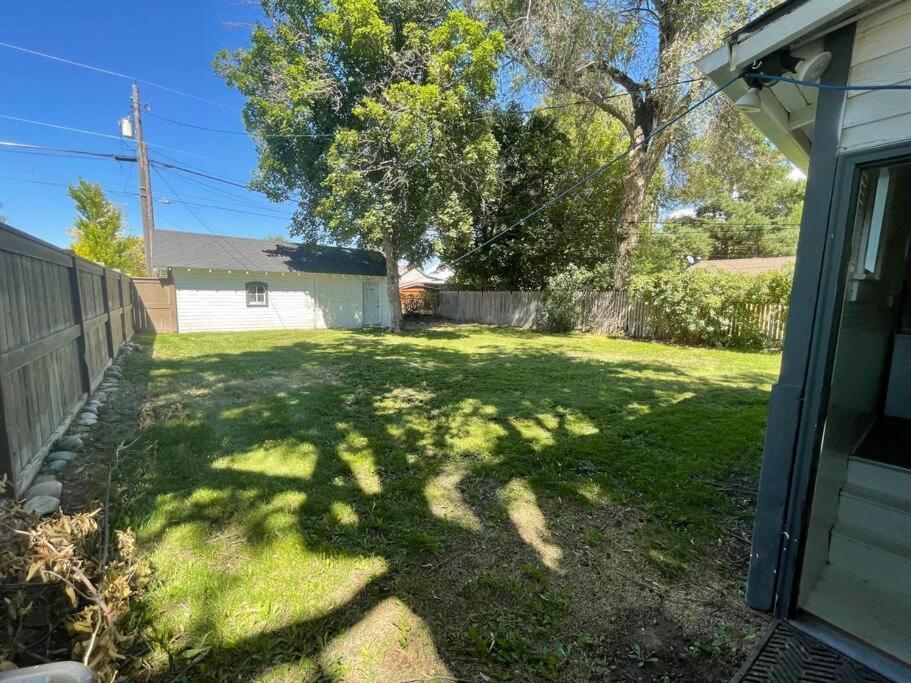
51,489
69,443
101,397
41,478
55,465
89,408
41,505
66,456
88,417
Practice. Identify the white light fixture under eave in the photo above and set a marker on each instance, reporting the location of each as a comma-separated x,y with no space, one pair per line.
750,102
812,68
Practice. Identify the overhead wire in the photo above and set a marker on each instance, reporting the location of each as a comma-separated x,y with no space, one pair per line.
218,238
109,136
80,152
598,171
183,169
165,201
117,74
225,131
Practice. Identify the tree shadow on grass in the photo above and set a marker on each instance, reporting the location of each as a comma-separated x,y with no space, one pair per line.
320,507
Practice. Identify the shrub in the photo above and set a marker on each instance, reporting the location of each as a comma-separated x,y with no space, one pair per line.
564,298
713,308
422,302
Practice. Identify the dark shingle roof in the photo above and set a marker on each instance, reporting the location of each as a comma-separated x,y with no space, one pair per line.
178,249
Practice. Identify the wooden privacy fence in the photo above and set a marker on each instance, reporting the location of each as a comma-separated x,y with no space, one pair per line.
155,304
604,312
62,321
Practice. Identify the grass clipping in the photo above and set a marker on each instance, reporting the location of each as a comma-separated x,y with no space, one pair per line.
62,566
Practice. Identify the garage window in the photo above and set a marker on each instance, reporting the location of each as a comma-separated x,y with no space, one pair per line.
257,294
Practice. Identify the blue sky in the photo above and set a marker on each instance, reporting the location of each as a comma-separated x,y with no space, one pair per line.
168,42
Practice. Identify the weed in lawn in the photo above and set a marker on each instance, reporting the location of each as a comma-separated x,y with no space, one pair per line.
516,631
642,656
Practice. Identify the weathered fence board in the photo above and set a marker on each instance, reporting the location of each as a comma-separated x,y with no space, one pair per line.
62,321
612,312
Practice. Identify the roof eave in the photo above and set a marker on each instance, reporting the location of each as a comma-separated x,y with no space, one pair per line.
795,22
773,120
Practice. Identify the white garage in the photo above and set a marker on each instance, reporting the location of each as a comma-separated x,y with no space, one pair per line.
227,283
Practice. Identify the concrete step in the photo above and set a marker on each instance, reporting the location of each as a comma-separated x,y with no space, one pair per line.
881,513
874,557
887,479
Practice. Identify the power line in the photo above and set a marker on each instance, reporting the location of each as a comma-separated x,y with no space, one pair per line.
239,132
166,201
198,173
625,93
598,171
161,200
107,135
225,194
218,238
107,155
117,74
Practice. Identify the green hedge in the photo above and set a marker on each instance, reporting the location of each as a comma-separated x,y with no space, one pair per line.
713,308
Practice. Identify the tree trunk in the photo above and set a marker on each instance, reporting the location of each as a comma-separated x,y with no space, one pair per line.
632,206
392,283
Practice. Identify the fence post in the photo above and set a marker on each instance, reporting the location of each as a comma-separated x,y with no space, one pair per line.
80,320
6,453
105,298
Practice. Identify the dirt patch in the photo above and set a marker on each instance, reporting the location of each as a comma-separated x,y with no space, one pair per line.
602,612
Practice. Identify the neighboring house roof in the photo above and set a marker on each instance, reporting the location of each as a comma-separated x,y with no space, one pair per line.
415,277
178,249
747,266
788,111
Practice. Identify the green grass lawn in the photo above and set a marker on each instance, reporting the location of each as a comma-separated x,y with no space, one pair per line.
462,501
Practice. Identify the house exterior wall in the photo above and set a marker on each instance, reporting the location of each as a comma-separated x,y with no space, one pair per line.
217,301
882,54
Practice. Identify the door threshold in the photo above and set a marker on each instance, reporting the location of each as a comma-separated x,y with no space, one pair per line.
788,654
877,661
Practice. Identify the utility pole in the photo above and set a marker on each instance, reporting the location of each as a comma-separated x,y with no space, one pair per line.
145,181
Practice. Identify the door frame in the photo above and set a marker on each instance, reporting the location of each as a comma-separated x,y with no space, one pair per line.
820,364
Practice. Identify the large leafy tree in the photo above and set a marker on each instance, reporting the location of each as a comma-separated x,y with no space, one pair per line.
744,198
99,231
371,114
627,58
540,154
744,193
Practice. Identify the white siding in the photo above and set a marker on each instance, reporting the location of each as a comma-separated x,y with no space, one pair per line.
882,54
217,301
